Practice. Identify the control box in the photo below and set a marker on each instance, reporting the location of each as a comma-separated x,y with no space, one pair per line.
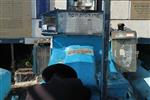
73,23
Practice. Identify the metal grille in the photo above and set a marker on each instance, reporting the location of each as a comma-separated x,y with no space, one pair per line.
41,58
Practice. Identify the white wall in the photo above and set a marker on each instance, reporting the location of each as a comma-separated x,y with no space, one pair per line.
120,9
36,31
121,13
61,4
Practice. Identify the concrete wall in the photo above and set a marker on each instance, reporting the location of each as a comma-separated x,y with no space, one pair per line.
120,9
60,4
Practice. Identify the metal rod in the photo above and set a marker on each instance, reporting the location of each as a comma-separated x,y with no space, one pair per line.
105,48
67,4
12,58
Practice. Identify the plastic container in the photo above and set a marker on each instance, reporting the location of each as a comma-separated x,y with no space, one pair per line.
5,83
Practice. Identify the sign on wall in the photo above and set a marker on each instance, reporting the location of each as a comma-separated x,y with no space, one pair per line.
140,9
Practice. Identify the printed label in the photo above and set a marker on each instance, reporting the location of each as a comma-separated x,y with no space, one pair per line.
130,35
80,51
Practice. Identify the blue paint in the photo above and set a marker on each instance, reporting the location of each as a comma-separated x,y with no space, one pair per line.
143,40
42,6
111,63
112,68
86,65
57,56
5,83
64,41
117,86
139,84
81,63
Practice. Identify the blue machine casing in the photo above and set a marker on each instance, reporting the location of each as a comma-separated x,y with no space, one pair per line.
5,83
86,68
60,42
81,59
117,86
140,82
88,64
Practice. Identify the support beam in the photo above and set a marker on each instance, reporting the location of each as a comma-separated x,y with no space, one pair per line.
12,58
105,49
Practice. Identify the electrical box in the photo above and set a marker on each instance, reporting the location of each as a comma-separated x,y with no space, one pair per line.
73,23
80,23
124,50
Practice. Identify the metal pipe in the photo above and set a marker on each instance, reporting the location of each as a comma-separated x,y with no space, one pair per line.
105,49
12,58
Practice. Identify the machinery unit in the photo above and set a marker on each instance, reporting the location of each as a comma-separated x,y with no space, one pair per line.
80,37
124,50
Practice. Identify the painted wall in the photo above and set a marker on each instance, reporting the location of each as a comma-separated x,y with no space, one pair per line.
121,13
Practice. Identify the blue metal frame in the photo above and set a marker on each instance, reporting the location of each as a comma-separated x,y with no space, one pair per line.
143,40
105,49
42,6
12,41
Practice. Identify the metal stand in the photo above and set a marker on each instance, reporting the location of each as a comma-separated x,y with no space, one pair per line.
12,58
105,49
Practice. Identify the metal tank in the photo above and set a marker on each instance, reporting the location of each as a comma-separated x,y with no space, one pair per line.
124,49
